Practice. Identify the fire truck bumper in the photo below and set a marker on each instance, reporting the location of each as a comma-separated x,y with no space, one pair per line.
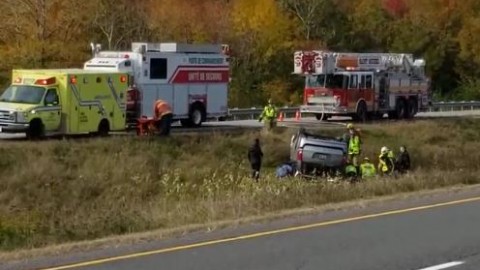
324,108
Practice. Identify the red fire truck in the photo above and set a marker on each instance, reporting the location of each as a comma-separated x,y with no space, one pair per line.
362,85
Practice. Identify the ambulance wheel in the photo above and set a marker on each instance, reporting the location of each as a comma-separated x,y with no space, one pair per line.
103,128
36,130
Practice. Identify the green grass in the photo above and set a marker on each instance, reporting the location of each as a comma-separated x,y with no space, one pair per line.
60,191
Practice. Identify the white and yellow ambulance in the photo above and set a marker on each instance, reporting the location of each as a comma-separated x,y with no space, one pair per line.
64,102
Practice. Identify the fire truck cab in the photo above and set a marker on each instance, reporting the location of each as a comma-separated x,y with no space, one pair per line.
362,85
192,78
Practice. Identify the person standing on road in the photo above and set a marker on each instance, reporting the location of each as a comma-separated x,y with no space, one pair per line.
255,156
269,115
354,145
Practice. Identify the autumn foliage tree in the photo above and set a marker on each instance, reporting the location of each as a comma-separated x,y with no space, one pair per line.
261,33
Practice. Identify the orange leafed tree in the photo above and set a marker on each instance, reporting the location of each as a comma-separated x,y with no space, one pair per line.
188,20
37,33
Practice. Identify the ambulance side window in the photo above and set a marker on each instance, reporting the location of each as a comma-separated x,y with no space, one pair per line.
51,98
158,68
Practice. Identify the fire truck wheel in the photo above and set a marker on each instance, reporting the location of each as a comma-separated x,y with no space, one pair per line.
411,108
36,130
361,114
401,111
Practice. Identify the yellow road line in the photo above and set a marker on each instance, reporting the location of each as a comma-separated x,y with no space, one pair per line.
260,234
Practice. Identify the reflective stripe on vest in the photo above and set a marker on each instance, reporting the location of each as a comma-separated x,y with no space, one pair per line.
354,145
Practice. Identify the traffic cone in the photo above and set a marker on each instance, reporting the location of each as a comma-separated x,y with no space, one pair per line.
298,116
280,117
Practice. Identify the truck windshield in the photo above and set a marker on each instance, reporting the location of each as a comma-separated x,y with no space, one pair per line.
316,81
334,81
328,81
23,94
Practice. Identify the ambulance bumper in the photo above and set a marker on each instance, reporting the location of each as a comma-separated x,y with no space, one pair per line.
13,127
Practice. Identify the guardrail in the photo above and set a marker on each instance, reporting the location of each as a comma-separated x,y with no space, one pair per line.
253,113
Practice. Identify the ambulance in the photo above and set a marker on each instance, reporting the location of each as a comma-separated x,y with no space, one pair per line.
64,102
192,78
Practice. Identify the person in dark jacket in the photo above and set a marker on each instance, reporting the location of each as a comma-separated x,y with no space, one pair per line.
255,156
403,160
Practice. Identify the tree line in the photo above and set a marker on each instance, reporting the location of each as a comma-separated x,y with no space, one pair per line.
262,34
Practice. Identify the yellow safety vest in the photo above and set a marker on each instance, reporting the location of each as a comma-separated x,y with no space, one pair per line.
354,145
269,112
382,165
367,169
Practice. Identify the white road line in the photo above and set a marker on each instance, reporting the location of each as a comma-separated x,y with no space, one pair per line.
443,266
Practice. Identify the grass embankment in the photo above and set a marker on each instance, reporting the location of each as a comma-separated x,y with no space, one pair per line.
60,191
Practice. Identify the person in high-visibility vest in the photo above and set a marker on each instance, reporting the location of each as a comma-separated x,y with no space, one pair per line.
351,172
163,116
269,115
354,145
367,169
386,162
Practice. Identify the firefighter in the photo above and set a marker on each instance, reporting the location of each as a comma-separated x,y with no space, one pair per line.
163,117
386,163
351,172
269,115
367,169
354,145
255,156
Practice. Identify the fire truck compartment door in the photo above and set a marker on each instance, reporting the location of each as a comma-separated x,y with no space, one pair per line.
180,97
217,98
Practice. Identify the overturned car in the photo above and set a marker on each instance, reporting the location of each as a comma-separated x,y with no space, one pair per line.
317,155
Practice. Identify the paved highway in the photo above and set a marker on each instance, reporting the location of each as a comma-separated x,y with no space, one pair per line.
409,241
429,233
